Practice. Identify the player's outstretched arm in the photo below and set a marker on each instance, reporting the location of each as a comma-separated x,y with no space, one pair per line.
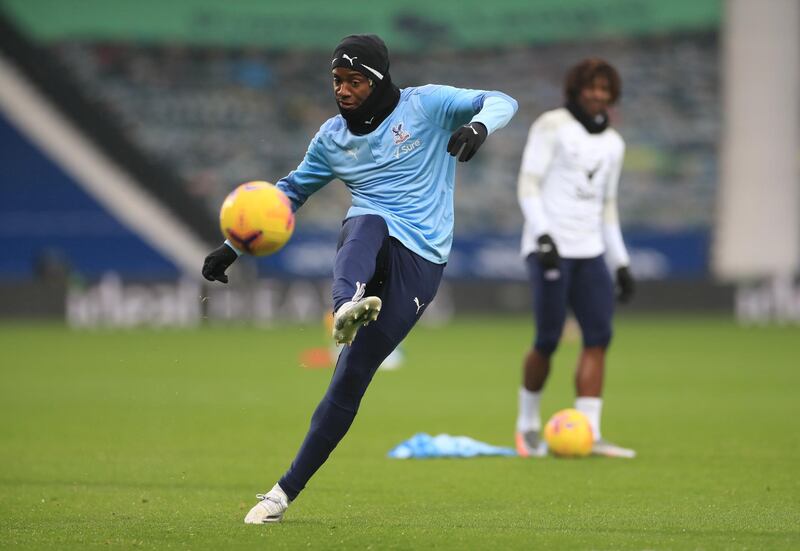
494,110
472,115
311,175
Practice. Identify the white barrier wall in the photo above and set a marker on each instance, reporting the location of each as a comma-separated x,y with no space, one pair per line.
41,122
757,232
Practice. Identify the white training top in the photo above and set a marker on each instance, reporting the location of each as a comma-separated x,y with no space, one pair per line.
568,188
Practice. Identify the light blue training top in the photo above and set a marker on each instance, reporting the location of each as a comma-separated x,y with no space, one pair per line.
401,171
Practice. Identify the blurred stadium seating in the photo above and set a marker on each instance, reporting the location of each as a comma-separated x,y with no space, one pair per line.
212,101
223,116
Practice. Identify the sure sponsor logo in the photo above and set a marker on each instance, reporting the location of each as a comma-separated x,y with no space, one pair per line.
407,148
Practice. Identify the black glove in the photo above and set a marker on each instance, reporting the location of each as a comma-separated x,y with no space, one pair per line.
625,284
217,262
547,253
471,136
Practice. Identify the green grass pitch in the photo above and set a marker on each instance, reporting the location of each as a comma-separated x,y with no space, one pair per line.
160,439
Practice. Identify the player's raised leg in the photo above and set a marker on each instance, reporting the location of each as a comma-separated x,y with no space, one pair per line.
410,285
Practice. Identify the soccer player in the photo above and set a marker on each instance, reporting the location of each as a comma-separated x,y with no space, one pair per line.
390,147
567,190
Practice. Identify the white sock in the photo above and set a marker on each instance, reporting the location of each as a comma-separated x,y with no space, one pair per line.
528,417
591,408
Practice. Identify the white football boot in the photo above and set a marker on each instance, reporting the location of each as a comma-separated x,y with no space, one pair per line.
607,449
530,444
351,315
270,507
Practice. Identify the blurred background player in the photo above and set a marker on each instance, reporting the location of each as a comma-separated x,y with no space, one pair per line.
389,147
567,190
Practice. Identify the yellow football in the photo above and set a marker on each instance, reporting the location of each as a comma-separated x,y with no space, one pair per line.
569,434
257,218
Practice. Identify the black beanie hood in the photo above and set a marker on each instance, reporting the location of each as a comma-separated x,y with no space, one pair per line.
367,54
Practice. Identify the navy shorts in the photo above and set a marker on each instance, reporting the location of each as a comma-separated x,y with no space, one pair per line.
405,282
584,286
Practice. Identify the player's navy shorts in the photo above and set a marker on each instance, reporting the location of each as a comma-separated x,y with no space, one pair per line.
584,286
405,282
